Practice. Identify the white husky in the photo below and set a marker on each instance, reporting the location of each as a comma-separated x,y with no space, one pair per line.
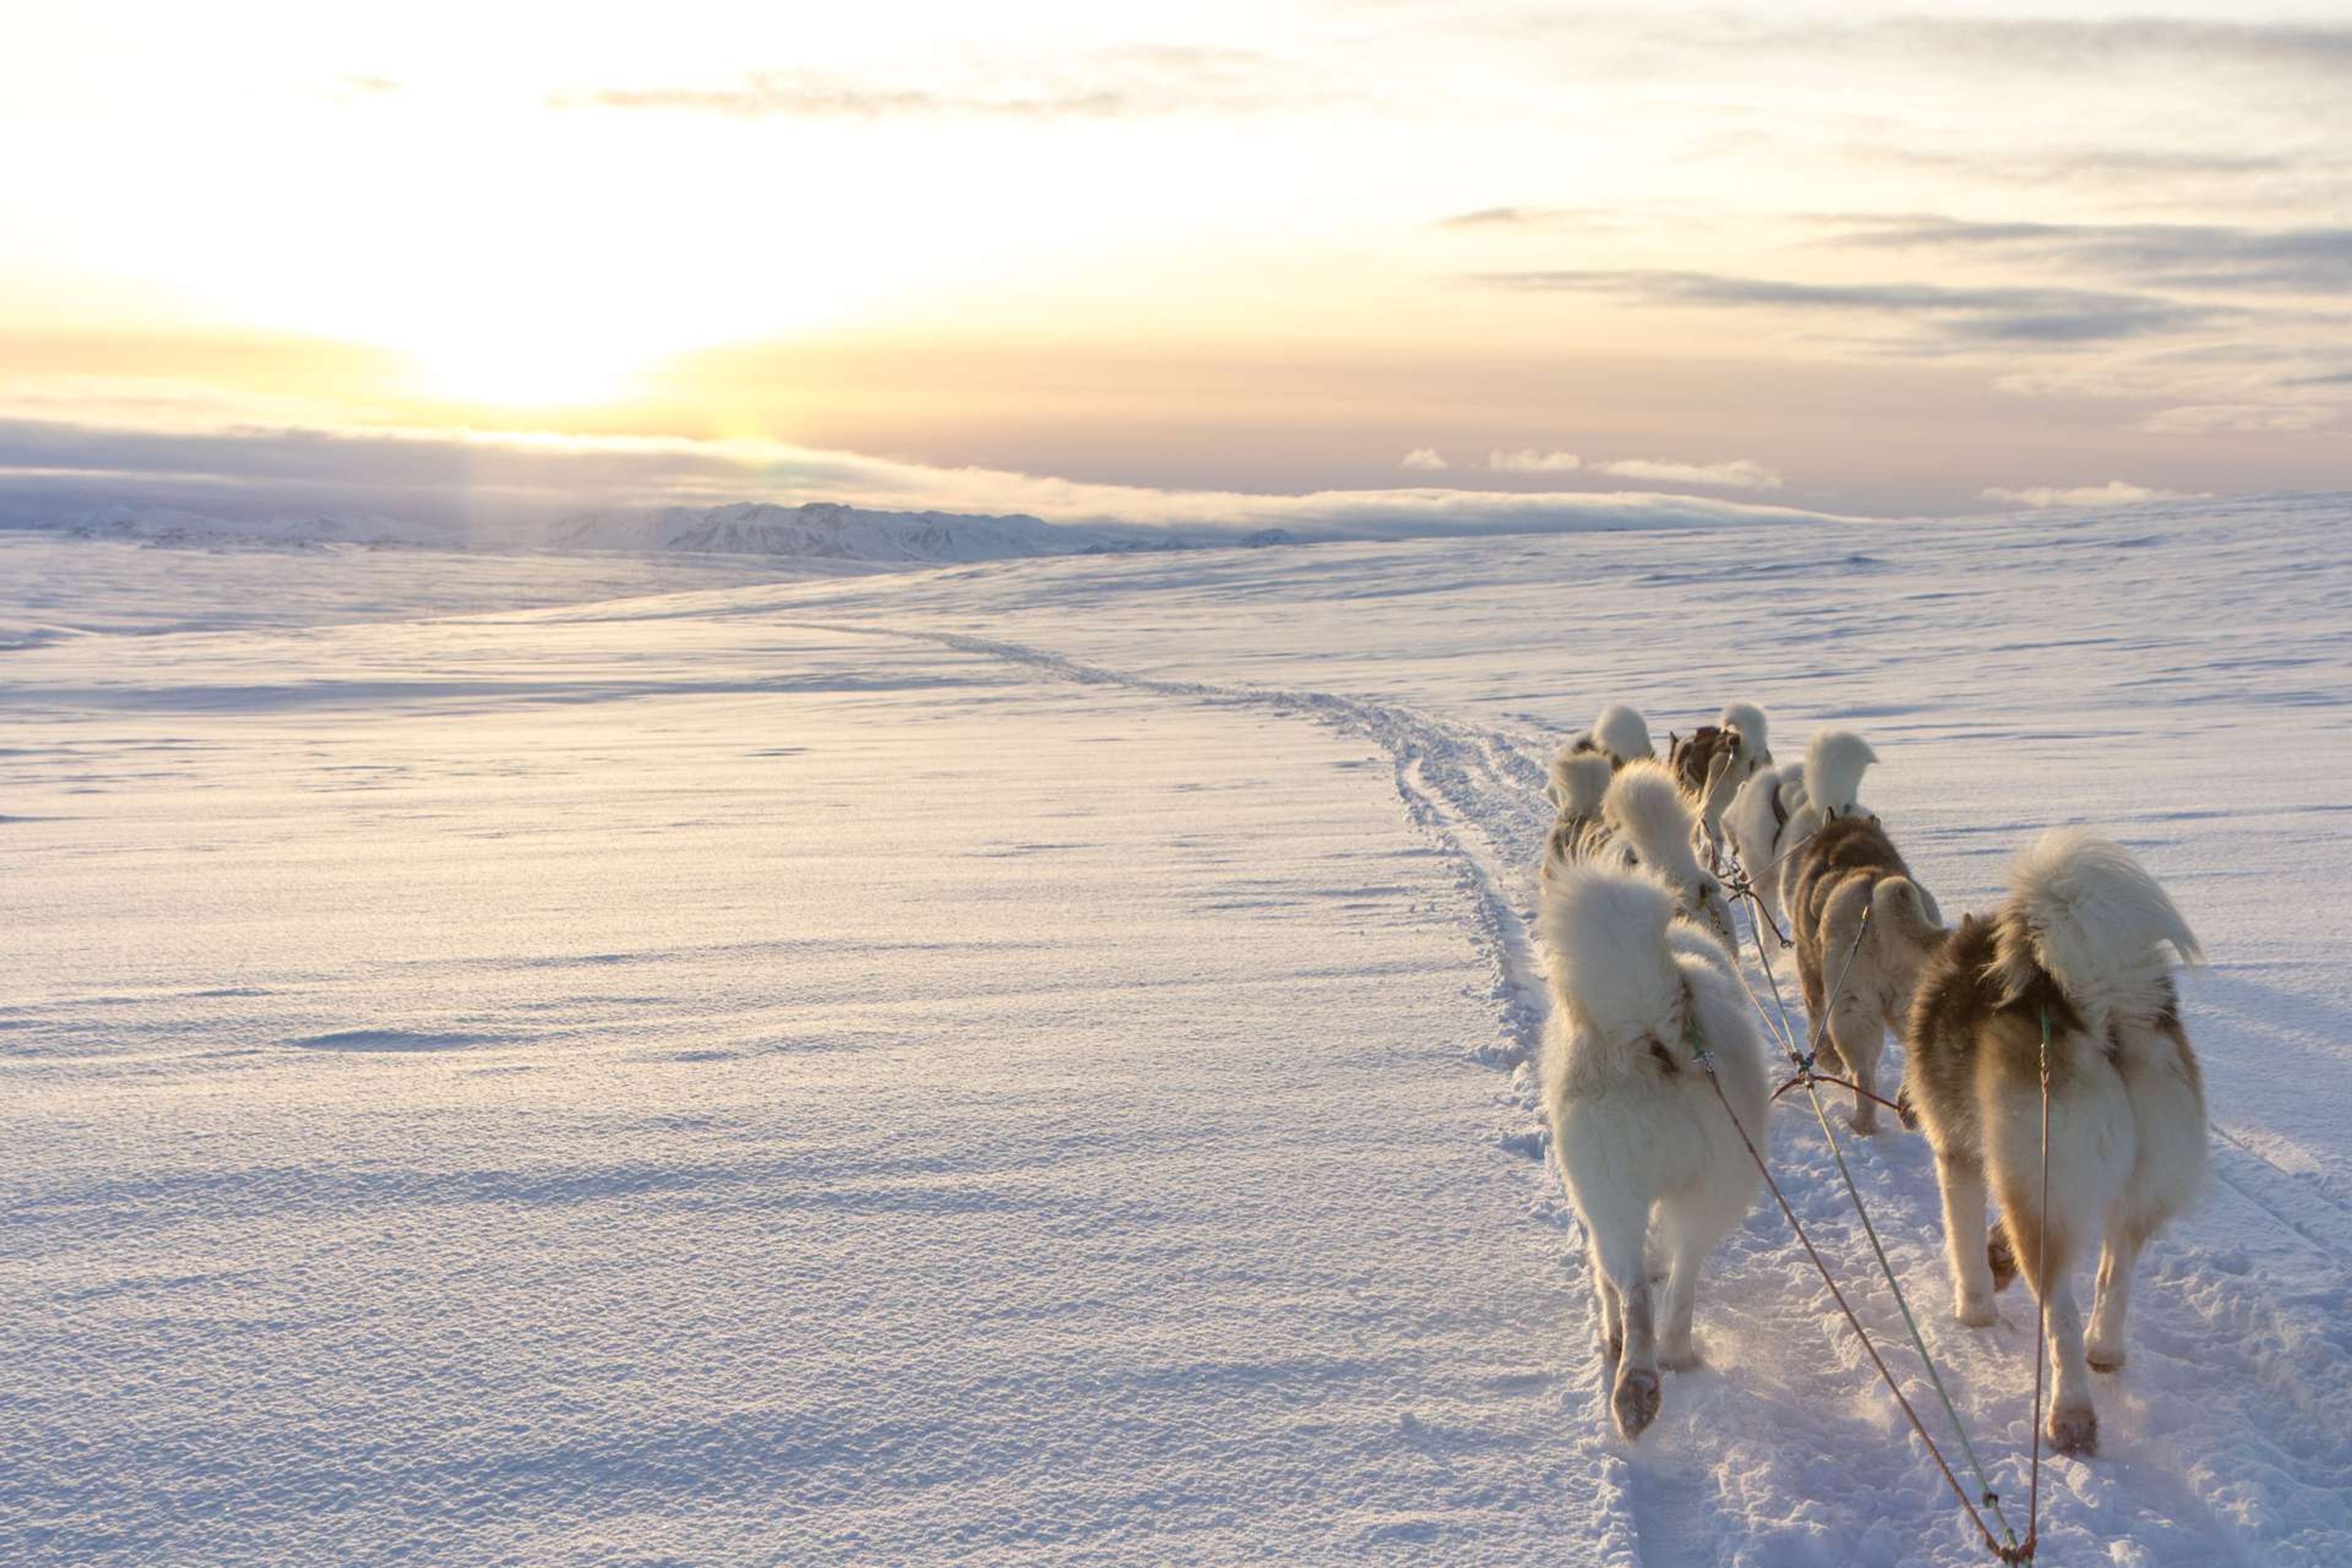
1639,1132
1650,818
1620,733
2077,951
1579,782
1581,770
1777,808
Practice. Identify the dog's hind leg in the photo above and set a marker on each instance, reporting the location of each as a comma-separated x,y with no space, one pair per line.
1767,884
1613,1312
2126,1235
1634,1399
1617,1222
1855,1028
1962,1183
2074,1425
1676,1351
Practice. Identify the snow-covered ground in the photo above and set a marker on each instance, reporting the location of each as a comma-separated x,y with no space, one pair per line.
62,588
1025,1062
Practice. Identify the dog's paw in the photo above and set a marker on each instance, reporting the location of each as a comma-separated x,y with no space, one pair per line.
1864,1126
1636,1401
2074,1431
1681,1358
1976,1314
2104,1358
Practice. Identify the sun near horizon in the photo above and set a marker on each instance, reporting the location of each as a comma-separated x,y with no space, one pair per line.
1853,259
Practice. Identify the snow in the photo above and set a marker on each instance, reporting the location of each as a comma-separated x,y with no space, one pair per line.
60,587
1025,1061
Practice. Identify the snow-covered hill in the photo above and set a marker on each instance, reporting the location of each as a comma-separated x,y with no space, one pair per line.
815,531
177,525
824,530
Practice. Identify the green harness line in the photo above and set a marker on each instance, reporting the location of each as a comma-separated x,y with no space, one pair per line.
2042,1276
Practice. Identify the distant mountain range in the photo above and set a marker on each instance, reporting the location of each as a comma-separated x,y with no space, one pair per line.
824,530
172,525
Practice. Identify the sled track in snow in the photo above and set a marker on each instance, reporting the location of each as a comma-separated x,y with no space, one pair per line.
1477,794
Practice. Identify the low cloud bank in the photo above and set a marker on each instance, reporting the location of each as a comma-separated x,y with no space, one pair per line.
495,486
2115,492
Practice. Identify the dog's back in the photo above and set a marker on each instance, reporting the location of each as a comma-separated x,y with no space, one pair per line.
2078,945
1863,928
1831,876
1699,757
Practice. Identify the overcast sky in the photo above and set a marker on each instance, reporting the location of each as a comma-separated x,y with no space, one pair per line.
1068,257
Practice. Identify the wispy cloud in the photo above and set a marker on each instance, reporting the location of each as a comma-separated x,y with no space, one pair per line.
2103,166
2115,492
1739,473
1109,84
1527,460
1500,217
1980,315
1518,217
2206,419
804,98
2042,46
1426,458
2316,261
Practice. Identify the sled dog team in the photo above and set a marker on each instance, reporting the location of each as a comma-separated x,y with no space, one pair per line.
1646,1004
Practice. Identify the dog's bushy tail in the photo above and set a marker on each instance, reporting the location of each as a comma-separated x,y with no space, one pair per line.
1622,732
1648,810
1579,780
1606,932
1835,764
1901,906
2099,923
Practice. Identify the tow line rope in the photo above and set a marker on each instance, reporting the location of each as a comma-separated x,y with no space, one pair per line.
2008,1549
1707,1061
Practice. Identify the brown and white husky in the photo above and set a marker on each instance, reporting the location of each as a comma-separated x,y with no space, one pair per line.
1862,924
2078,950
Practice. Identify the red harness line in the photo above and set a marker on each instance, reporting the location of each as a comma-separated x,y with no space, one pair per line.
1844,1083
